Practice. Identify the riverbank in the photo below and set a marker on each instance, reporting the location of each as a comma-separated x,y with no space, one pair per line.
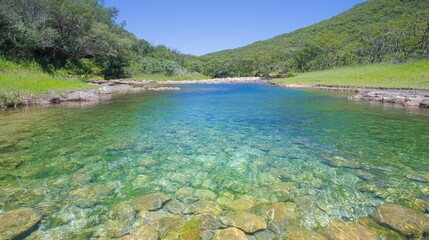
102,90
412,98
410,75
405,84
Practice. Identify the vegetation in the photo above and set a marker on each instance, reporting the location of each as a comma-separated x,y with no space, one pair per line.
375,31
381,75
79,38
163,77
28,79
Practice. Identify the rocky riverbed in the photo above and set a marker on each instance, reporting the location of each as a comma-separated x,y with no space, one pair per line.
403,97
192,213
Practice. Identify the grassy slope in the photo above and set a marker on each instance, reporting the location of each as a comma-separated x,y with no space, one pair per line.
346,26
407,75
162,77
17,81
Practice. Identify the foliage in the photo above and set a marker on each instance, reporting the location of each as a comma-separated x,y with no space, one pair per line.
375,31
163,77
79,38
379,75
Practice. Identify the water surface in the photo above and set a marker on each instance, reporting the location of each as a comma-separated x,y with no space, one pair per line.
333,158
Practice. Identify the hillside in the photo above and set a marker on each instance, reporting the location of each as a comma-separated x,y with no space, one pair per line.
374,31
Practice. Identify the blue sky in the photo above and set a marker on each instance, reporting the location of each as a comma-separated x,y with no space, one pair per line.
203,26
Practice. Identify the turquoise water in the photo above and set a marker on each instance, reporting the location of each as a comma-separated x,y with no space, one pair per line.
333,158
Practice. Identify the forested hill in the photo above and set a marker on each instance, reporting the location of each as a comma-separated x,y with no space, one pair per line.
79,38
374,31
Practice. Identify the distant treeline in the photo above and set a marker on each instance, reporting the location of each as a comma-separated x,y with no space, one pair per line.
81,38
371,32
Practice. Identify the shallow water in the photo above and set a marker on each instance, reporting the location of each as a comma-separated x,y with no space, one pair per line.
333,158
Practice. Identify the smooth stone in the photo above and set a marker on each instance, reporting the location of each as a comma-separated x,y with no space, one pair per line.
205,194
241,204
150,202
229,234
210,222
207,207
187,231
147,232
88,195
18,223
175,207
186,195
265,235
278,215
124,212
297,233
337,230
248,222
114,229
406,221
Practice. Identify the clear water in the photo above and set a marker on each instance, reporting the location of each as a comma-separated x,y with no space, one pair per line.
335,158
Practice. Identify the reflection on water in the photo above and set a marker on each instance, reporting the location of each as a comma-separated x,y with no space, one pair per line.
210,157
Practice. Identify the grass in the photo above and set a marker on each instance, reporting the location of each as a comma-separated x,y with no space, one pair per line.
163,77
23,80
411,75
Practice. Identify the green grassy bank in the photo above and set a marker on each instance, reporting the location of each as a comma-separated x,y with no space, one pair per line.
413,75
23,80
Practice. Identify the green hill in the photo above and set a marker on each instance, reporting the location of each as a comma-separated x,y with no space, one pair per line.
374,31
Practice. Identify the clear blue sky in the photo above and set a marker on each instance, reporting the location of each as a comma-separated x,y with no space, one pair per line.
203,26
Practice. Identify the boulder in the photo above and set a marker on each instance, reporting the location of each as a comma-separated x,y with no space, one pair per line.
337,230
17,224
406,221
150,202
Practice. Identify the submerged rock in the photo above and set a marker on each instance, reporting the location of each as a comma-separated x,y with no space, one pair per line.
207,207
88,195
337,230
241,204
150,202
278,215
18,223
188,231
209,222
147,232
248,222
342,162
230,234
406,221
186,195
297,233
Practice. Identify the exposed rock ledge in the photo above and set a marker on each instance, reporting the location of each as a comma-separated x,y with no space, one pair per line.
404,97
104,92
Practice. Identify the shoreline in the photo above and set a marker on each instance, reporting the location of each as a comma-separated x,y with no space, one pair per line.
410,98
107,88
